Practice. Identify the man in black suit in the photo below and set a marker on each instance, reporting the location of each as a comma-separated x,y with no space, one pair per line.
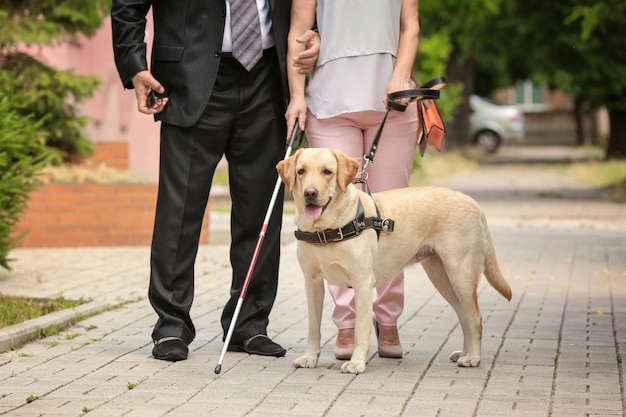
211,106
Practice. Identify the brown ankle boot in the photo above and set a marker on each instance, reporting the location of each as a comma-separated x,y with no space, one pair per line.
344,345
388,341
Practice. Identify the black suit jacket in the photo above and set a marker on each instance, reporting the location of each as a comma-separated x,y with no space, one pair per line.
186,50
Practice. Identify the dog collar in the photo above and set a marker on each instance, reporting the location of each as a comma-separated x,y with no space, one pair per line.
350,230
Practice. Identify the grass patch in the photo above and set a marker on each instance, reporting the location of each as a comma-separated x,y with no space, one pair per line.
606,174
55,329
602,173
14,310
440,165
32,398
551,194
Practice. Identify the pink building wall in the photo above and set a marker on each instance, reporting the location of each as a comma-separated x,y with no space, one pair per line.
112,109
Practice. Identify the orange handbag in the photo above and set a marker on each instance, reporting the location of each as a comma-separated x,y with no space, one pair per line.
432,131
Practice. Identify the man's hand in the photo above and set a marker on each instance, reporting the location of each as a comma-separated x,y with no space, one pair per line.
145,85
305,61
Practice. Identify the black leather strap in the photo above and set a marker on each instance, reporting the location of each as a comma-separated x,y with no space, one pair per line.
436,83
430,90
412,95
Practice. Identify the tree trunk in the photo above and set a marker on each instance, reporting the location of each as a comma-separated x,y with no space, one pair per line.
616,146
463,71
578,118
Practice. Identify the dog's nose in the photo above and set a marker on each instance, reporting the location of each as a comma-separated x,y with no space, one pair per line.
310,192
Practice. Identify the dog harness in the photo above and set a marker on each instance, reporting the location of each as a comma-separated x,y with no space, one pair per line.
350,230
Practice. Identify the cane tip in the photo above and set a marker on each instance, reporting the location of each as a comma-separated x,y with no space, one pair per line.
218,369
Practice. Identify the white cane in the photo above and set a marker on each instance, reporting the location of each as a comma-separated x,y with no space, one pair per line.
255,255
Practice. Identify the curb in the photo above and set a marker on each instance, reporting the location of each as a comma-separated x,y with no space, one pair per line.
17,335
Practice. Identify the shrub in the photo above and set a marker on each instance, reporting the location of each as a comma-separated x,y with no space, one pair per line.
50,96
23,153
39,121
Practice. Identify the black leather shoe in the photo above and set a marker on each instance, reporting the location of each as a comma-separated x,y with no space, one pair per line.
170,349
258,345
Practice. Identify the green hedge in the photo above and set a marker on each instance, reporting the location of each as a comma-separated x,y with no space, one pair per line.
23,153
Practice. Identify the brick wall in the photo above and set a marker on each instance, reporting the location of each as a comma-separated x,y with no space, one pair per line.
113,154
72,214
64,215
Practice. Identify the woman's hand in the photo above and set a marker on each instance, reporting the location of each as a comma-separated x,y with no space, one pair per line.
397,84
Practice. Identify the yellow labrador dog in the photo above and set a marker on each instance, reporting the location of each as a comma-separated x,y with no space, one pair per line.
353,239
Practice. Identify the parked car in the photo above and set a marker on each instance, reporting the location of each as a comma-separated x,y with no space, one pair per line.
492,123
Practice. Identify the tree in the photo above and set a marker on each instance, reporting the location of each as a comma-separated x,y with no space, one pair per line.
468,26
50,94
603,34
38,118
578,46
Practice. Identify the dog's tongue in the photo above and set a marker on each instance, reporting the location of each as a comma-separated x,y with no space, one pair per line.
312,211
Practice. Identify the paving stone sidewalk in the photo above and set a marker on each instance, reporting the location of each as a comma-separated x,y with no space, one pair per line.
555,350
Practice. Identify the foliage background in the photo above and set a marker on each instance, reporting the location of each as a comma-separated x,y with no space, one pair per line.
577,46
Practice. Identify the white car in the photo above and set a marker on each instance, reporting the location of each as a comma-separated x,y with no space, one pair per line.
492,123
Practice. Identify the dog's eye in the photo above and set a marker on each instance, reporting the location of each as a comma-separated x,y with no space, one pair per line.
327,172
301,171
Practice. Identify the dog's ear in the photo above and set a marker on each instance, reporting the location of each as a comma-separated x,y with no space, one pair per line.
347,167
287,170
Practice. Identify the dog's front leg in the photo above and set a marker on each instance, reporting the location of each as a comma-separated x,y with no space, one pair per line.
315,302
362,328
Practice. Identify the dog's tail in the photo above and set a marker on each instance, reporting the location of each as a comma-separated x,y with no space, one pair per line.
492,270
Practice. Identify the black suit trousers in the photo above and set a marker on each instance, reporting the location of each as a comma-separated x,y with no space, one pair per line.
243,120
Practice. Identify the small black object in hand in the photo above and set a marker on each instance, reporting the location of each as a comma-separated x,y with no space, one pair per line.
153,96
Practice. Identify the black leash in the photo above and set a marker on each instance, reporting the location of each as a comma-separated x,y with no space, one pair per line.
426,91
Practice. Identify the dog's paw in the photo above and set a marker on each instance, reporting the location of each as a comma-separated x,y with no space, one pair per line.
456,355
468,361
464,360
305,362
353,367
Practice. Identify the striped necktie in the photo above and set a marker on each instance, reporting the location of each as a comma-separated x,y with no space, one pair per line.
246,32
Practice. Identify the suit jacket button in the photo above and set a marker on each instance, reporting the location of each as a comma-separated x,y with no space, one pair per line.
218,54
